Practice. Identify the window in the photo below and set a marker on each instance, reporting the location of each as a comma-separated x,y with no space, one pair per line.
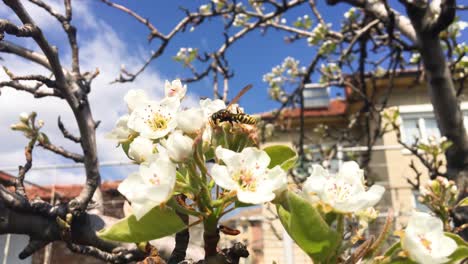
420,127
421,124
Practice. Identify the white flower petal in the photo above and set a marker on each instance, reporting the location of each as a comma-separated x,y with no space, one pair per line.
179,147
191,120
135,98
316,182
121,132
154,120
175,89
211,106
229,157
141,149
127,186
425,241
220,175
141,209
276,179
255,158
255,197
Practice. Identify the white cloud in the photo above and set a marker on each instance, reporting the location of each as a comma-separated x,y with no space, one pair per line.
101,48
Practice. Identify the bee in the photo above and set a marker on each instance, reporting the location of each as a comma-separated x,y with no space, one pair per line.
233,116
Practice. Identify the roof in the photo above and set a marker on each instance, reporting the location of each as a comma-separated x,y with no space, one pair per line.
337,107
65,192
6,179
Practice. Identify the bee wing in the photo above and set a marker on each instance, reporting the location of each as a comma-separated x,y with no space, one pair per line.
239,95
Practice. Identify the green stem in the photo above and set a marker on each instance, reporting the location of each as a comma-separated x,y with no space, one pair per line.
179,208
210,235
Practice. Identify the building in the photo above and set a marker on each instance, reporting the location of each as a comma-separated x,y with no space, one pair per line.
390,163
57,252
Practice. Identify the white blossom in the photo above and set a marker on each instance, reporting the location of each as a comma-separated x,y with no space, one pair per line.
191,120
155,119
151,186
424,240
24,117
134,98
121,132
179,147
141,149
211,106
344,192
175,88
247,173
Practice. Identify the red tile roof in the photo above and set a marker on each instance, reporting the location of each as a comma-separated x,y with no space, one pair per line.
65,192
335,108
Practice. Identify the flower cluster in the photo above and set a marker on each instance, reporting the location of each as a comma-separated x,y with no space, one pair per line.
318,34
440,196
186,55
303,22
344,192
171,146
287,72
241,20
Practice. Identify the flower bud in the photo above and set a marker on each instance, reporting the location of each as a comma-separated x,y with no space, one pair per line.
24,117
179,147
141,149
191,120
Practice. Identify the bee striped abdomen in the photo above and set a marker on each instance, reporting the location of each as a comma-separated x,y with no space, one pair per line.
226,116
245,119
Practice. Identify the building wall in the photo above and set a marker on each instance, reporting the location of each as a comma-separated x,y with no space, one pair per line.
399,160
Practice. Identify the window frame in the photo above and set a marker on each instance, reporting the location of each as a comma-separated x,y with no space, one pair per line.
422,112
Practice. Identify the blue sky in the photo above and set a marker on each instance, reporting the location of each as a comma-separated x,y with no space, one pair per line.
250,57
109,38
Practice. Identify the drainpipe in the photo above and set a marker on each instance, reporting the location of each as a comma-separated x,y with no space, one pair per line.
288,248
6,249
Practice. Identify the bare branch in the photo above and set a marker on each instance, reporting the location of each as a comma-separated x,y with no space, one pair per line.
66,133
61,151
27,30
8,47
31,89
19,183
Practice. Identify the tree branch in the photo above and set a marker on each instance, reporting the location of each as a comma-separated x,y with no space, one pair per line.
27,30
66,133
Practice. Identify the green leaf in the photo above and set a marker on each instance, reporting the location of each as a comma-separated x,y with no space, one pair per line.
394,248
463,202
462,251
281,155
159,222
307,228
457,239
126,147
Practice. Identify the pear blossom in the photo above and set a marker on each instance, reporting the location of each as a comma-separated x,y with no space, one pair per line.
155,120
121,132
178,146
424,240
344,192
135,98
211,106
141,149
175,89
24,117
191,120
247,173
151,186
